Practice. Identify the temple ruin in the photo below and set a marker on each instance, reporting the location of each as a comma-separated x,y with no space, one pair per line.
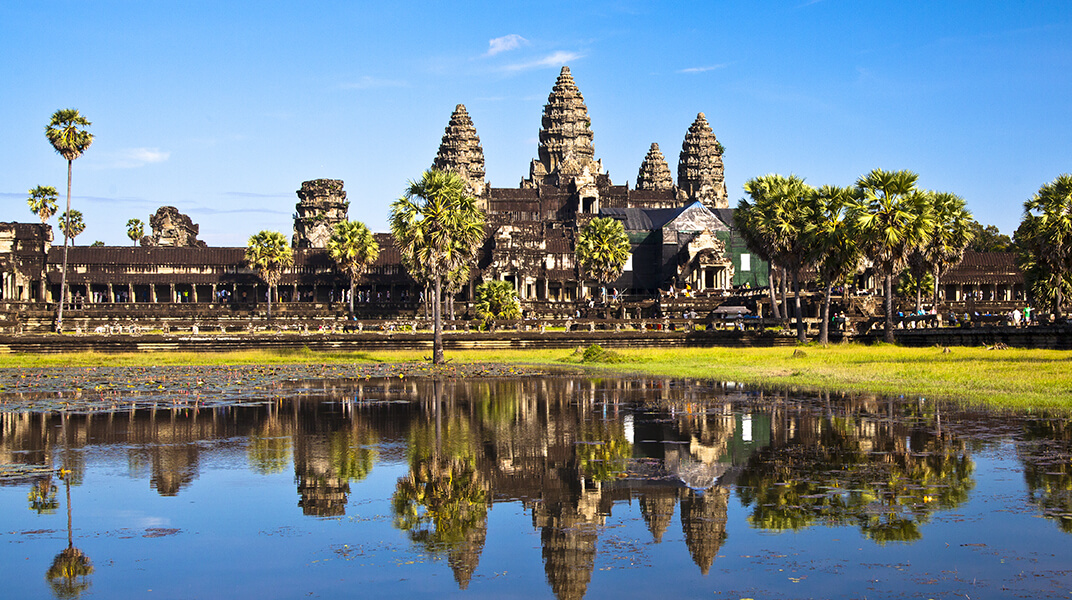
681,234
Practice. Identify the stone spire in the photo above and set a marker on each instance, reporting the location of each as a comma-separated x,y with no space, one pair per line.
322,204
700,174
654,172
566,133
460,151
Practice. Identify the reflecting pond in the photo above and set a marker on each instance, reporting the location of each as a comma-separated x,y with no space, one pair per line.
519,487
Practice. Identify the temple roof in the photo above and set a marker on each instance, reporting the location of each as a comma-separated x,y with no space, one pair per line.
985,267
654,173
692,216
566,133
460,151
700,173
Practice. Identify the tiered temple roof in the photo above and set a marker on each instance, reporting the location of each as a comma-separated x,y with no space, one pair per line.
460,151
700,173
566,134
654,172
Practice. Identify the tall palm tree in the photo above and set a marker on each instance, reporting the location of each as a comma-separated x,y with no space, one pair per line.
893,217
42,201
269,254
72,225
603,249
68,136
1047,238
437,227
782,214
751,224
135,229
953,231
353,247
833,244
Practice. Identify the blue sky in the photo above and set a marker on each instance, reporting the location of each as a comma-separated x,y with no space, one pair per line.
222,109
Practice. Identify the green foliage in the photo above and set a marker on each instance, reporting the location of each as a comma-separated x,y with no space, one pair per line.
269,254
988,239
603,249
71,224
893,218
135,230
1044,239
497,299
66,132
97,244
42,201
908,286
603,452
353,247
594,354
437,228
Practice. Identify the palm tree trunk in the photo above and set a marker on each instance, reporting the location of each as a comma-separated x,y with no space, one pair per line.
773,295
63,274
919,295
887,304
437,323
782,286
824,324
937,283
352,286
1058,299
270,300
801,335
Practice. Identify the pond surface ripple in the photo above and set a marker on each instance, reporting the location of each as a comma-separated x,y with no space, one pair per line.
302,482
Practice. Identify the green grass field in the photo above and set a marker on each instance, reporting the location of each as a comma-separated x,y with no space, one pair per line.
1013,378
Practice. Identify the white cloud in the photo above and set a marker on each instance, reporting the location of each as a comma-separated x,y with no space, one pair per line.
702,69
505,43
368,83
554,60
129,158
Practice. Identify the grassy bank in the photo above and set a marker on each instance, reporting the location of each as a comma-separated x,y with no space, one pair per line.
1014,378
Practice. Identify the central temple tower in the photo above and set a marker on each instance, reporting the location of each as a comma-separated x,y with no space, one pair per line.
566,153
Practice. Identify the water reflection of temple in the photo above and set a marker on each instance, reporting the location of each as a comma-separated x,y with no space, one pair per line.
570,450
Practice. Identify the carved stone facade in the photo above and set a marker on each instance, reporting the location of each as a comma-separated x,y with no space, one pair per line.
322,205
173,229
700,173
654,172
677,234
461,153
23,247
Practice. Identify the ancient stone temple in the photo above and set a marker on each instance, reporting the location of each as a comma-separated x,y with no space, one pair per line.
681,236
677,237
171,228
700,174
322,204
461,153
654,172
566,151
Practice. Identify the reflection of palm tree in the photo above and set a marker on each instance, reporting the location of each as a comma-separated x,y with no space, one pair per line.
70,569
1043,452
443,501
845,477
42,496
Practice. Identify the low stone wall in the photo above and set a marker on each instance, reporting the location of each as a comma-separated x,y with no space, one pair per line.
1051,337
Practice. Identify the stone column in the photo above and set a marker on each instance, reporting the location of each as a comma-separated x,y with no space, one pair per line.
171,292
